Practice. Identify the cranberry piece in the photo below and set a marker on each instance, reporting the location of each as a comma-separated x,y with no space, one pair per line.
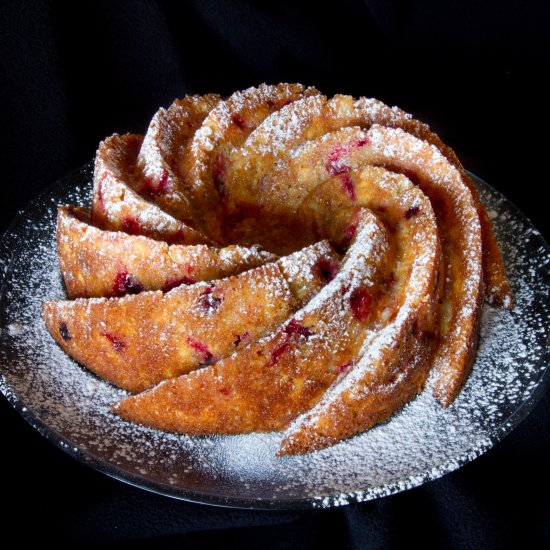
131,225
244,338
349,187
331,164
360,302
156,189
350,232
412,212
126,283
210,302
207,300
177,281
351,229
294,327
118,344
207,357
336,153
207,361
239,121
278,351
218,172
224,391
345,366
335,169
164,183
326,269
64,331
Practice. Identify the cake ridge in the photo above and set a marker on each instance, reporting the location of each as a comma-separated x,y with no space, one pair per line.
96,262
159,166
138,340
118,206
270,384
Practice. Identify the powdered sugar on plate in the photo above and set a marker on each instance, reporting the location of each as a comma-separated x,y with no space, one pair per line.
71,406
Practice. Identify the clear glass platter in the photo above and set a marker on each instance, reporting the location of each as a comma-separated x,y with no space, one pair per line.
70,406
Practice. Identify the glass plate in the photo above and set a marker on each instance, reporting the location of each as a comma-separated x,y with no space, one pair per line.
70,406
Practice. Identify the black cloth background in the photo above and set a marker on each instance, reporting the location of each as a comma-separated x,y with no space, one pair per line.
73,73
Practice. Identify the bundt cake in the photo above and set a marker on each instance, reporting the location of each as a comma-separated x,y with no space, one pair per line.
276,261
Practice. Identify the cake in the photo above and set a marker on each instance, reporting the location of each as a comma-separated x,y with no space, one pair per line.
276,261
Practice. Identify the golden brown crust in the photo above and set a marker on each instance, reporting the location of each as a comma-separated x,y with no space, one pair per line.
497,287
225,128
392,368
364,404
349,148
95,262
268,383
265,386
250,174
139,340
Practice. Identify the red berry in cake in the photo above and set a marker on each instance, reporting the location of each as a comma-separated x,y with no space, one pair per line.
118,343
218,172
64,331
239,121
294,327
360,302
131,225
349,187
242,339
327,269
278,351
177,281
158,188
126,283
412,212
345,366
208,301
206,357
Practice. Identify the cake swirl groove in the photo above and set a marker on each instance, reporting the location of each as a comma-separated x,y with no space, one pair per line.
296,338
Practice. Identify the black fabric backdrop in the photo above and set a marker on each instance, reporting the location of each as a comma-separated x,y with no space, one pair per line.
73,73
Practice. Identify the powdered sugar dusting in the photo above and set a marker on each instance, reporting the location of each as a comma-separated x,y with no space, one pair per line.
421,442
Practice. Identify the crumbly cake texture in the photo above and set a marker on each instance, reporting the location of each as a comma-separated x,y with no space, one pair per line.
320,348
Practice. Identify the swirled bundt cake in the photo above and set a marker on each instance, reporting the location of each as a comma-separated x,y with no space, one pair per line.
276,260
